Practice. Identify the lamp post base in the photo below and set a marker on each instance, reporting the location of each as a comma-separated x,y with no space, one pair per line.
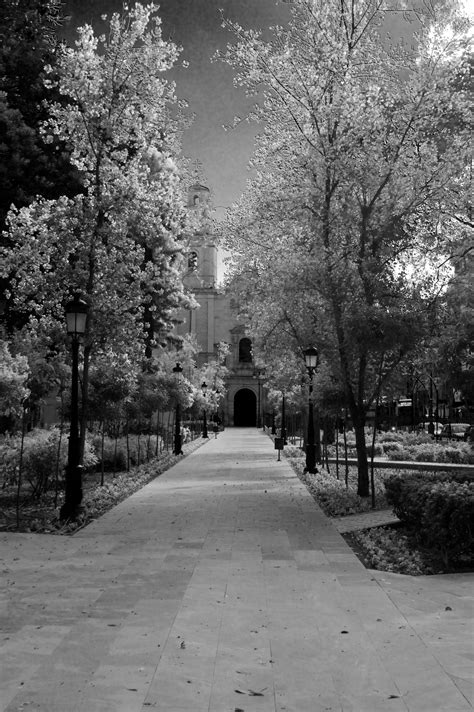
177,433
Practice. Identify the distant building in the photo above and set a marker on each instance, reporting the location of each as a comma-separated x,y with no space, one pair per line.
216,321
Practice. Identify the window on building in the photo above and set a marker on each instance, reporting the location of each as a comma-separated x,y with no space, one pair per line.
245,351
196,200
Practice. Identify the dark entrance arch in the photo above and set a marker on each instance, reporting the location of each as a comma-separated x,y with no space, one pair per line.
245,408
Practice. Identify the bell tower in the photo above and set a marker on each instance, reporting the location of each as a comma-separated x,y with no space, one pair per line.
202,254
215,319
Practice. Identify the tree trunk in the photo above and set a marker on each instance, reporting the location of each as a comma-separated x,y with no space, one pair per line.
20,466
102,475
372,455
168,430
58,452
362,463
116,433
84,392
128,445
346,464
148,444
157,447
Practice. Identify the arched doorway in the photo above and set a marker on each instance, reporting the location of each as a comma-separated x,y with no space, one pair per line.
245,408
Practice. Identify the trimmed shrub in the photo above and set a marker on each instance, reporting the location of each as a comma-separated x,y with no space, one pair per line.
439,508
142,448
9,459
461,453
43,457
406,494
448,519
392,436
393,450
113,458
378,450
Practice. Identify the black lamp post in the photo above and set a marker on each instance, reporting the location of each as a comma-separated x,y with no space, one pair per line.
177,370
204,417
311,361
431,426
76,319
283,420
258,373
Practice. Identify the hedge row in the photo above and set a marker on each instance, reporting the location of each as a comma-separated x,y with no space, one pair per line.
428,451
438,508
45,454
458,452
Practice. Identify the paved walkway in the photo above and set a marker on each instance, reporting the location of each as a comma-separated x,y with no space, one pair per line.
221,587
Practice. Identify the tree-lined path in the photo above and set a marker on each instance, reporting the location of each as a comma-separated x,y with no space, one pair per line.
218,587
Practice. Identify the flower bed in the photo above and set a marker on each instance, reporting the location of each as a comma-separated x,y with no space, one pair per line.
43,517
395,548
332,495
416,447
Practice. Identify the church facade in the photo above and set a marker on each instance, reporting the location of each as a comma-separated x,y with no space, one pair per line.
215,321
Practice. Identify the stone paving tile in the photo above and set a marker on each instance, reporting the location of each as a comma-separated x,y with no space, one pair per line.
218,581
365,520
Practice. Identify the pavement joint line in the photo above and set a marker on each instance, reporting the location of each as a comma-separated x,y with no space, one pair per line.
336,635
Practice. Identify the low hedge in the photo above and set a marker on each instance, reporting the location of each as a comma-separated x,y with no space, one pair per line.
439,509
459,453
45,454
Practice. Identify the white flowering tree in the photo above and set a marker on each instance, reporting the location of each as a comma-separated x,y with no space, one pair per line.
118,242
14,391
361,166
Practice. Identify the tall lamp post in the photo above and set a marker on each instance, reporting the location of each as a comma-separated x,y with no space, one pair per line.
177,370
283,420
204,416
311,361
258,373
76,319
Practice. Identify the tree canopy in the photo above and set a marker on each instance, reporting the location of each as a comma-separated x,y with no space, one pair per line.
120,241
345,234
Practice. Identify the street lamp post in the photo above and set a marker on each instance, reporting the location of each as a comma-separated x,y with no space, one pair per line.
431,426
311,361
177,370
76,318
283,420
259,404
204,416
258,373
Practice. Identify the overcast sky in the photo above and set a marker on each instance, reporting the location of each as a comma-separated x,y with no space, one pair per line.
196,26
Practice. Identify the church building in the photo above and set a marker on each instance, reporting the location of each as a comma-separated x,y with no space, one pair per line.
216,321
